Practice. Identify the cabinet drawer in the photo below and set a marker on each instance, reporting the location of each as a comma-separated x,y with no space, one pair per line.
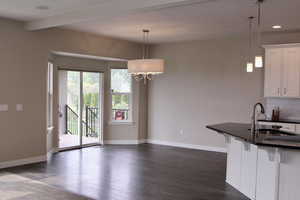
287,127
298,128
266,123
284,126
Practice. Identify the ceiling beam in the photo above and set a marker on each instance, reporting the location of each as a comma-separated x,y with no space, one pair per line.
107,10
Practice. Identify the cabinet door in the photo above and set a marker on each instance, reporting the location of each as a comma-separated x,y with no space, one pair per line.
291,72
287,127
267,176
248,170
273,76
234,156
289,180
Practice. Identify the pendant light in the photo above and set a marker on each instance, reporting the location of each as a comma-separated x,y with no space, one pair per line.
145,68
259,58
249,67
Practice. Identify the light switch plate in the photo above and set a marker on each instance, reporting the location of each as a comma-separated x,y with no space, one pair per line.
19,107
3,107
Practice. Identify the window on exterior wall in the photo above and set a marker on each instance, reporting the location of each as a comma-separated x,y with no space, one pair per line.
50,95
121,95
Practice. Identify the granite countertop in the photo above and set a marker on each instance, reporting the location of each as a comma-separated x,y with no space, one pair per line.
242,131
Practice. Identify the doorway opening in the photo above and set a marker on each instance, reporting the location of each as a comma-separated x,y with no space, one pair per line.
80,109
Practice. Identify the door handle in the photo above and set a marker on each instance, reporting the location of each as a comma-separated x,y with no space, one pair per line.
278,91
284,90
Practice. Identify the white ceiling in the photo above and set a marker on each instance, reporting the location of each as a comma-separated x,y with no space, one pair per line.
25,10
168,20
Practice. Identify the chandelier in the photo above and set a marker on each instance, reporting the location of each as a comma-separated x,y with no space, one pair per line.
145,68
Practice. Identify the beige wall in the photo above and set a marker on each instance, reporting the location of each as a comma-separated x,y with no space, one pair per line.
205,83
24,56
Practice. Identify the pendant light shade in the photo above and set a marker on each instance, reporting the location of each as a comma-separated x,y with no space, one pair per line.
144,68
258,61
249,67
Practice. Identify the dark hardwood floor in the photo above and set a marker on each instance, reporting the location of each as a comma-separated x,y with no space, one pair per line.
144,172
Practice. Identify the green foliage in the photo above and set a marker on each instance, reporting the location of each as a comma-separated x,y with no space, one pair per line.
90,88
120,101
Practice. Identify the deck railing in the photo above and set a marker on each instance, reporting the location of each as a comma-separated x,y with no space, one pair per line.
90,122
72,119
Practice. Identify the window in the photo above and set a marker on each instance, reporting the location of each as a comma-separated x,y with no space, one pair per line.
50,96
121,95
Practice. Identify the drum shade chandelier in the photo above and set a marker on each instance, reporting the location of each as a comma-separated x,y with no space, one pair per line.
145,68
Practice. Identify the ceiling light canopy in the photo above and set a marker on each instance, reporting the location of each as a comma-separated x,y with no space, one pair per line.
145,68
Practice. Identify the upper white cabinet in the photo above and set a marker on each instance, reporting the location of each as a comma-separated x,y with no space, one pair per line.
282,71
273,72
291,72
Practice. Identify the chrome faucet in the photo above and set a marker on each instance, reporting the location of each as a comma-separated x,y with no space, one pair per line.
262,110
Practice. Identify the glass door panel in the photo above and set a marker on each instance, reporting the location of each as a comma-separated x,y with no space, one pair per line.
69,109
91,107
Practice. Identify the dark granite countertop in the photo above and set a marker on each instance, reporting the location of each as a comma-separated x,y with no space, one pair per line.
288,121
242,131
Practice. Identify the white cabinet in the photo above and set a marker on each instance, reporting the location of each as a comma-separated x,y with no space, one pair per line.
292,128
241,166
291,72
289,180
273,72
263,173
267,174
248,170
297,128
282,71
234,156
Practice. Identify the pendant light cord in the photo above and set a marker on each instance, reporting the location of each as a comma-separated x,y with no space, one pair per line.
145,44
259,16
250,37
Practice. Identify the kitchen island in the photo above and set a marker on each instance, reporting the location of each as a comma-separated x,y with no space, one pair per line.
263,166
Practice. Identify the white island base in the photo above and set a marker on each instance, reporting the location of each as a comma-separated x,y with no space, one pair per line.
263,173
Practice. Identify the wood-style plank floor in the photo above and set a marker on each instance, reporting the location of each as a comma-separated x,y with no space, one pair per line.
143,172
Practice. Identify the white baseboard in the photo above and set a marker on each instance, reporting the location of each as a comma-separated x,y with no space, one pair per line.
188,146
14,163
124,142
50,153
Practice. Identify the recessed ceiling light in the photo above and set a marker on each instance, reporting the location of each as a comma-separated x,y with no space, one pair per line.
42,7
277,27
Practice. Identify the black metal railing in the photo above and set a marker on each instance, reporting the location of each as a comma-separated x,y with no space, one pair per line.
120,114
72,119
90,122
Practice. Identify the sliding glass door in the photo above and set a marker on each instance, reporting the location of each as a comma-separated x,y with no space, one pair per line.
80,100
91,108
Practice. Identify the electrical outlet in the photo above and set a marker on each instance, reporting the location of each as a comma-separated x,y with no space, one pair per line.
181,132
3,107
19,107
